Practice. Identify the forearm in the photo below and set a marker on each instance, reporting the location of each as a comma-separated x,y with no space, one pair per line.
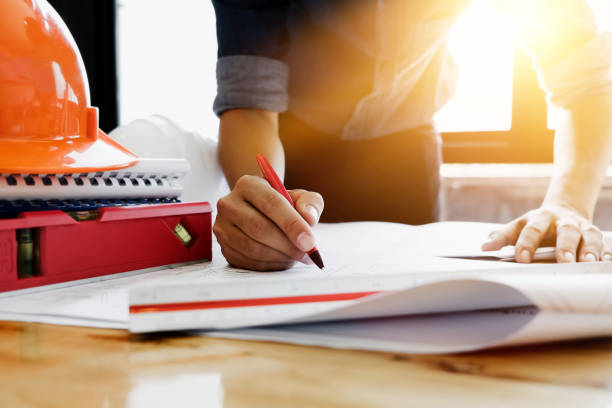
244,133
583,149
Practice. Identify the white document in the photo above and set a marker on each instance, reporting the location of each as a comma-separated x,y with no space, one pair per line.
360,258
439,333
546,254
367,257
569,307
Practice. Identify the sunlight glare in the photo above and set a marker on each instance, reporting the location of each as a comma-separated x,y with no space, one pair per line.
482,43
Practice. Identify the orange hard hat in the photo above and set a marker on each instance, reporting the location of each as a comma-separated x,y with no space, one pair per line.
47,125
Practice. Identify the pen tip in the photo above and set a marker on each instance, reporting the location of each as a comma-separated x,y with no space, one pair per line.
316,258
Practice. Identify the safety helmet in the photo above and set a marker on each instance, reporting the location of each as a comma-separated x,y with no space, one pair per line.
47,125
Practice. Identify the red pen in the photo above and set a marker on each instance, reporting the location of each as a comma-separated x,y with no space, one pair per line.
272,178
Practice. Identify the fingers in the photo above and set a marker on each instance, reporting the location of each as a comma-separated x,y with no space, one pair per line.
277,209
248,230
259,229
309,204
606,253
242,251
505,236
568,239
584,244
252,249
592,244
239,260
532,234
576,238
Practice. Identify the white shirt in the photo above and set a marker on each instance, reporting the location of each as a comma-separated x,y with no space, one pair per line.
397,71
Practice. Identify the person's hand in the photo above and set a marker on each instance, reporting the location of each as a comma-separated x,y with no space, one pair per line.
258,229
573,235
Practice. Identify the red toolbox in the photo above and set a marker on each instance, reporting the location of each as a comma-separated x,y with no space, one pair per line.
45,247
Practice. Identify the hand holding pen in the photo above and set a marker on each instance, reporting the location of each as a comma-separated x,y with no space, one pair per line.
258,229
272,178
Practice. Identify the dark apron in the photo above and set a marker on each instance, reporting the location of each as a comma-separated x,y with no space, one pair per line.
390,178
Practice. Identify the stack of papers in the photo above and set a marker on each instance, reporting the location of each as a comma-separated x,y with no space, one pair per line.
385,287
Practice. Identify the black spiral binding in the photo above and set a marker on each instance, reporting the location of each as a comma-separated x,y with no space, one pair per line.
9,209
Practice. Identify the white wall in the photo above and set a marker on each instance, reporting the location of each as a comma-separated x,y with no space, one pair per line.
167,55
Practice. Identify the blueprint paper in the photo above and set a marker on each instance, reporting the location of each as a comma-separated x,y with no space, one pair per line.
404,258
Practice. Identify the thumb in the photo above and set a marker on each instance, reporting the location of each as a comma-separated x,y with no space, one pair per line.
507,235
309,204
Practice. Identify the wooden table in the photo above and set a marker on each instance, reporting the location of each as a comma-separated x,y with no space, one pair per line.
55,366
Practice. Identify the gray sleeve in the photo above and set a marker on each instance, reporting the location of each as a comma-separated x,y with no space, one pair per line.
249,81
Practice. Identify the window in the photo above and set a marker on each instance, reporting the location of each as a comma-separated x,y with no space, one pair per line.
167,55
482,44
530,138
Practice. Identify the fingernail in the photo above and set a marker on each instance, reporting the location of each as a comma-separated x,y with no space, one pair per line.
306,260
524,256
313,212
607,257
491,243
589,257
305,241
568,256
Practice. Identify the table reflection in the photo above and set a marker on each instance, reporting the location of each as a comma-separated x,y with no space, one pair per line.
189,390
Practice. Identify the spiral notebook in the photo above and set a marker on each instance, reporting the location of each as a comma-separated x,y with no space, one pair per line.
151,181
